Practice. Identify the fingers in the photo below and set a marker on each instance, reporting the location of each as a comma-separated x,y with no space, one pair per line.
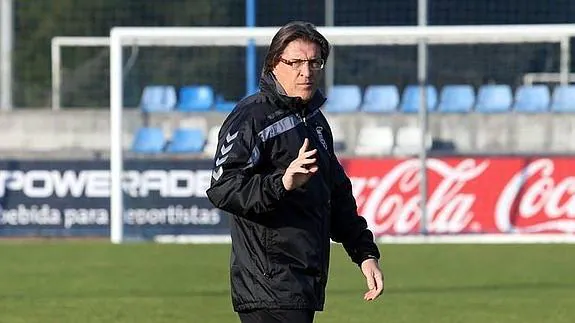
379,281
303,150
379,285
313,169
302,169
308,154
375,284
304,163
303,147
371,285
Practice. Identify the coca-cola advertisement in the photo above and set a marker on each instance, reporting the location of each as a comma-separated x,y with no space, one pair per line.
466,195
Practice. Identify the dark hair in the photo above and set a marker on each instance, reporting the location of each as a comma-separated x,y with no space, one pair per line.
288,33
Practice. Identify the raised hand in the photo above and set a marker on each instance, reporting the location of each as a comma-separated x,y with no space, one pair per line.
300,169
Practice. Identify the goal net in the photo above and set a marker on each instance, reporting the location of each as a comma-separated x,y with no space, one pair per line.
217,58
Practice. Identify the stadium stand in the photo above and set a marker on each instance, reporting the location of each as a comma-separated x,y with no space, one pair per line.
563,99
149,140
462,118
339,135
408,141
158,98
459,129
530,135
212,141
374,141
380,98
456,98
225,106
193,122
186,140
494,98
194,98
451,98
343,99
411,98
532,98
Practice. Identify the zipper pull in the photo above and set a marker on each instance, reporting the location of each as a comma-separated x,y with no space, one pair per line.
302,118
303,113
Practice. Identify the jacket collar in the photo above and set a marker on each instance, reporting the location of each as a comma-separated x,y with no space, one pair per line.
270,86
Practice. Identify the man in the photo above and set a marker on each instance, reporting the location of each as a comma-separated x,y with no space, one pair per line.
277,173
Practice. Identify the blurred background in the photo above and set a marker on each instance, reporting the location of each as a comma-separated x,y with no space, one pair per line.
501,100
28,29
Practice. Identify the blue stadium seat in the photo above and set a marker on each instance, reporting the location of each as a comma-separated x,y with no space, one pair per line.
148,140
186,140
343,98
380,98
158,98
494,98
532,98
563,99
225,106
456,98
196,98
410,98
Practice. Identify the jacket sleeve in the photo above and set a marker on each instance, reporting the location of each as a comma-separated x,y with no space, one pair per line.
347,227
235,185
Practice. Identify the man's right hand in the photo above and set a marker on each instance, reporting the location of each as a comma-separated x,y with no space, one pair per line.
300,169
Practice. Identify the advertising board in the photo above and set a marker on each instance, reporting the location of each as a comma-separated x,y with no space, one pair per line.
71,198
467,195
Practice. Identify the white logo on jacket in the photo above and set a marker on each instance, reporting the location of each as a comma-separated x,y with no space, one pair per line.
224,150
319,132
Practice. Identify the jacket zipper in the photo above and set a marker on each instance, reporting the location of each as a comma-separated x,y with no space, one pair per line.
302,117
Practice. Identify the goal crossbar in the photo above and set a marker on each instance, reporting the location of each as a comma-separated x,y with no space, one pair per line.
337,36
341,36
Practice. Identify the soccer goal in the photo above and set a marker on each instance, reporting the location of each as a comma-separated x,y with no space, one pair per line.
365,56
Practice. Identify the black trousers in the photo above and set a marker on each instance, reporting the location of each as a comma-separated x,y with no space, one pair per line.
277,316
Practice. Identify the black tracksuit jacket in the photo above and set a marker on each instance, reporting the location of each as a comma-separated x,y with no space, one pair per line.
281,239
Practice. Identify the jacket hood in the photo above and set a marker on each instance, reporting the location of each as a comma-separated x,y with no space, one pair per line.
270,86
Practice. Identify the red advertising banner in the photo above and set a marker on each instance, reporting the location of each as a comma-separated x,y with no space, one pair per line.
466,195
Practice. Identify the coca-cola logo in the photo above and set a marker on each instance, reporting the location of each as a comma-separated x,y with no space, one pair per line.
545,195
469,195
392,202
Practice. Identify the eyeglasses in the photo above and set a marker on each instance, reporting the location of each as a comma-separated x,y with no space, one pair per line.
315,64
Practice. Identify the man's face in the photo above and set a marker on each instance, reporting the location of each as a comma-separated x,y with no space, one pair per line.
301,78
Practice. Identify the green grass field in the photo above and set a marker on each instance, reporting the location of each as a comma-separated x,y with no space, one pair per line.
73,282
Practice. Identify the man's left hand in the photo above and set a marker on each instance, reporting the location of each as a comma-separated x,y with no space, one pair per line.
374,277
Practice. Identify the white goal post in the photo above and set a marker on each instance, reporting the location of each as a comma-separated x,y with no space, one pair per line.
56,60
338,36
